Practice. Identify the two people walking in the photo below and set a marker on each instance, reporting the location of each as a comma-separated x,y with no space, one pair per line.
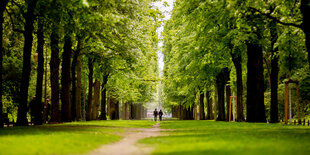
160,114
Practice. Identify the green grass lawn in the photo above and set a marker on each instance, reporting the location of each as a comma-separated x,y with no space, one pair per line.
67,138
210,137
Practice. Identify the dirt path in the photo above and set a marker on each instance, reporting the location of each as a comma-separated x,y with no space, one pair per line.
128,146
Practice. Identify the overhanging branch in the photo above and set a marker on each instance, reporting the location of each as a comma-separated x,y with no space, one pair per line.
268,15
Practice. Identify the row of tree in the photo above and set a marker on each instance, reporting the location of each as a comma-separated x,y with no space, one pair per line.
94,48
212,47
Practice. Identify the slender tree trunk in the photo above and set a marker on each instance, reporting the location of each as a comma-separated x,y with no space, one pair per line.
274,118
187,111
138,110
305,11
228,92
104,97
96,100
209,106
23,94
74,82
123,111
201,106
78,100
215,101
255,84
2,8
181,112
54,65
117,111
220,83
66,80
40,71
84,102
90,89
126,111
192,112
131,111
236,58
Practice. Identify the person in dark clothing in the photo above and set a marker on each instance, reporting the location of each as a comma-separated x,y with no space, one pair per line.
46,111
155,113
160,115
32,106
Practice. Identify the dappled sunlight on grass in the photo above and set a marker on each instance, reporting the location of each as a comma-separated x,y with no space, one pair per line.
66,138
203,137
117,123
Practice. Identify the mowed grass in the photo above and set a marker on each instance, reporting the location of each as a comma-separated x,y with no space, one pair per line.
210,137
67,138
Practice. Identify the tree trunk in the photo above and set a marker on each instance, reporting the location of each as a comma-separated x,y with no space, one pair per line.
131,111
28,39
114,109
255,84
274,118
215,102
236,58
201,106
220,83
209,106
65,80
195,112
191,114
138,111
126,111
104,98
96,100
54,65
40,71
90,89
305,11
2,8
74,99
78,99
228,92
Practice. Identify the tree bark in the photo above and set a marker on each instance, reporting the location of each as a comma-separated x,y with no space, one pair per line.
96,100
23,94
126,111
201,106
104,97
191,112
66,80
274,118
40,71
236,58
131,111
74,83
90,88
54,65
220,83
2,8
215,102
209,106
78,100
228,92
114,109
255,84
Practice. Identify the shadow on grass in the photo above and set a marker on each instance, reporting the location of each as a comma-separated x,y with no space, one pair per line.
49,129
